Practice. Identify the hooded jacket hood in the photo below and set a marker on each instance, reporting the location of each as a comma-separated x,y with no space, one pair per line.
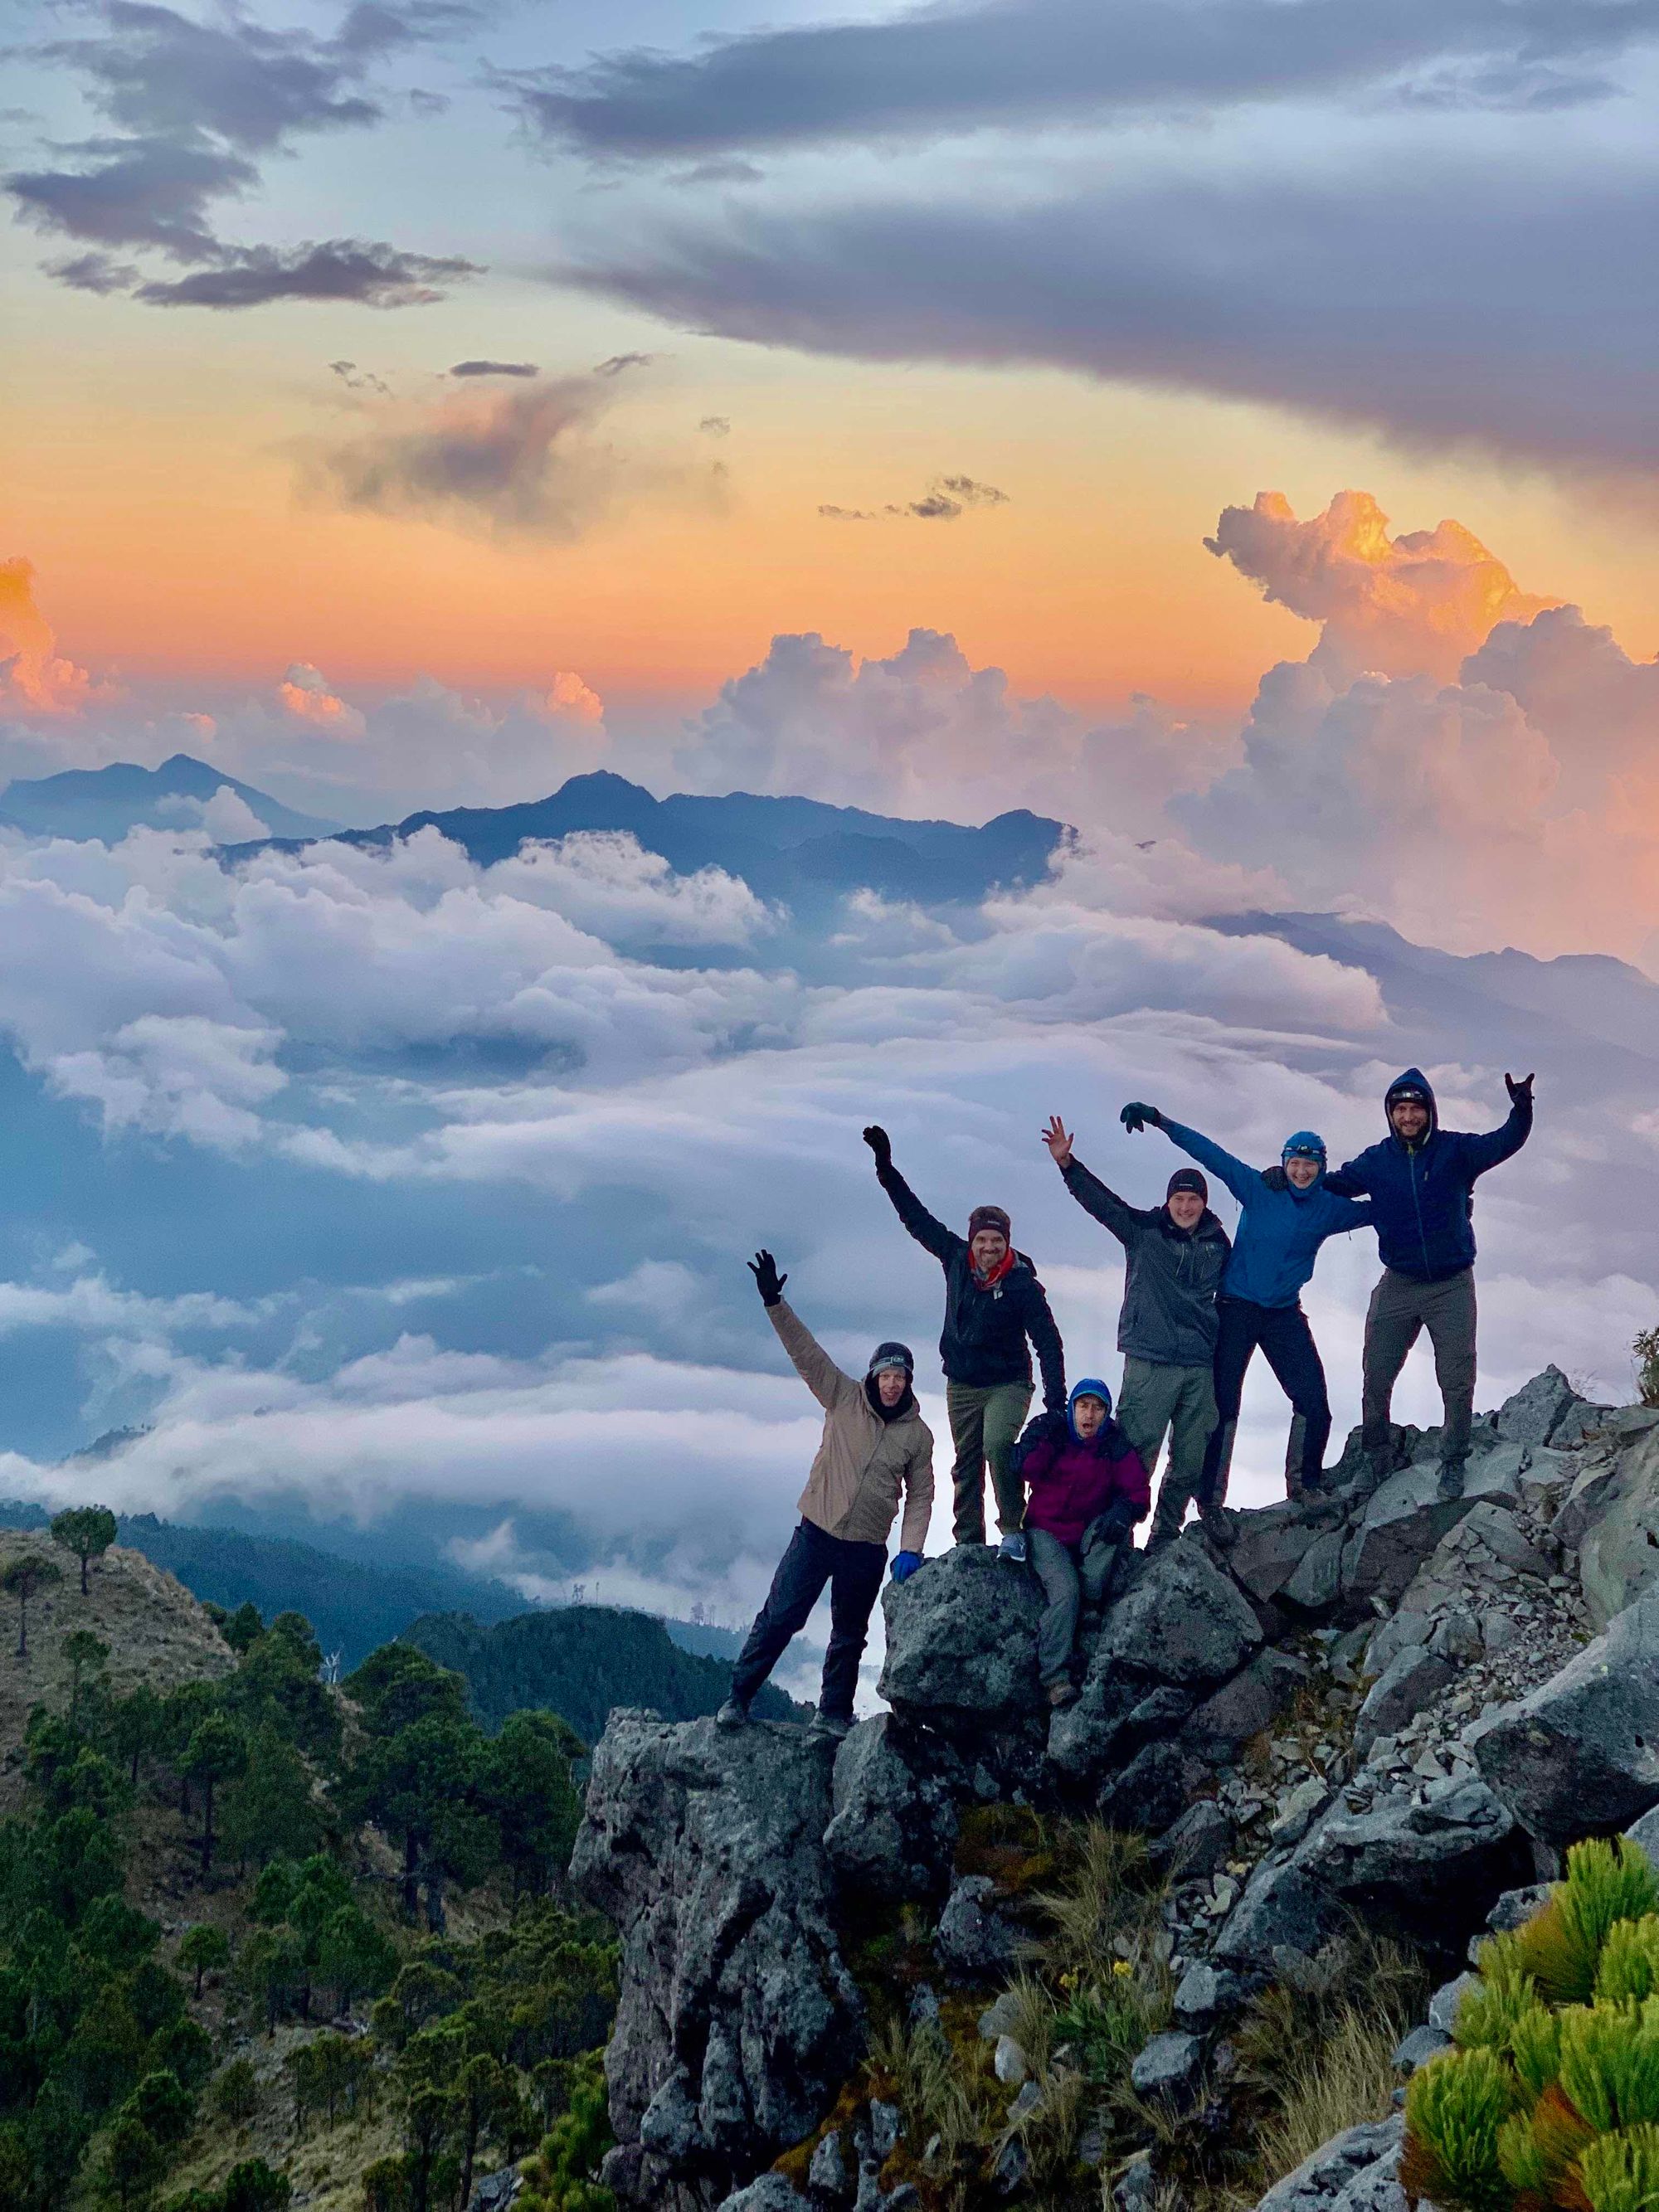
1090,1386
1413,1078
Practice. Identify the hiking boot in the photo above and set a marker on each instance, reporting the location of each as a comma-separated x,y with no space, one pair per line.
834,1726
1062,1693
732,1715
1451,1477
1013,1548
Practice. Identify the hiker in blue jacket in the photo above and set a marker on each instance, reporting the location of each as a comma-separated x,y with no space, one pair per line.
1288,1214
1421,1179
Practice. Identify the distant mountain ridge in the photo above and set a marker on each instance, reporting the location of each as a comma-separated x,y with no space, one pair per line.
800,849
105,802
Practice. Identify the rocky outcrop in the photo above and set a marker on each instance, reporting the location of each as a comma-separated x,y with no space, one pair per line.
1581,1754
1372,1707
738,2016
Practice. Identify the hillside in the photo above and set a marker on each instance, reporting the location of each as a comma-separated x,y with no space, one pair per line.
580,1662
105,802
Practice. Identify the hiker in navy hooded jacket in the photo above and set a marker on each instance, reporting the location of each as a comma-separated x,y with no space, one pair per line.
1421,1179
1174,1257
993,1304
1287,1214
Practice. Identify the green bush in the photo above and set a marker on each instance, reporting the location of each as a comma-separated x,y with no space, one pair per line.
1551,2093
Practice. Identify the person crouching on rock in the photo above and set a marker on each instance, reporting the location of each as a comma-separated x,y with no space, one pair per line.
875,1447
1286,1215
1174,1256
1087,1489
993,1304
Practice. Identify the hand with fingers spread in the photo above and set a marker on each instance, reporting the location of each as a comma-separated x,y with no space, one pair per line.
1519,1088
880,1144
768,1281
1058,1138
1135,1116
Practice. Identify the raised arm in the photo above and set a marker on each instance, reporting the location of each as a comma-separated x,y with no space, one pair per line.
1502,1144
1126,1222
931,1234
918,1495
813,1364
1244,1182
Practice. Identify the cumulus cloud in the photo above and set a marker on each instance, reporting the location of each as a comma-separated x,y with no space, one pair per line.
34,678
516,463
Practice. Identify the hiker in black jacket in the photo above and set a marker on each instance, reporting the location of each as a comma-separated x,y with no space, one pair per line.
993,1304
1174,1254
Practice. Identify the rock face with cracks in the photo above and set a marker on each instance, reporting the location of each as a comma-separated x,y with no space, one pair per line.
738,2016
1377,1707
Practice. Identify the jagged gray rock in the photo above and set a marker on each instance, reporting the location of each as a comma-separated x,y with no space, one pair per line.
1411,1678
895,1811
1181,1621
1423,2044
1617,1526
1252,1701
773,2193
973,1942
736,2016
1282,1910
1151,1792
1167,2065
828,2175
1581,1755
1197,1844
1425,1869
1403,1522
1323,2180
962,1639
1538,1410
1205,1992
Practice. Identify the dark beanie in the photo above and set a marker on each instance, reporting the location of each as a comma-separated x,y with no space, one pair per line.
1189,1179
989,1217
892,1354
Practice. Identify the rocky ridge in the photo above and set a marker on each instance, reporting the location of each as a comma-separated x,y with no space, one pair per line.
1393,1704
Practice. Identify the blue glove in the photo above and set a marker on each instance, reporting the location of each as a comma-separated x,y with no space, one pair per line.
904,1565
1135,1116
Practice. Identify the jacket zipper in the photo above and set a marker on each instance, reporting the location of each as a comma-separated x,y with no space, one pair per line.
1417,1200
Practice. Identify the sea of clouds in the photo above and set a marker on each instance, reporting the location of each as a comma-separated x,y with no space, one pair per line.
524,1123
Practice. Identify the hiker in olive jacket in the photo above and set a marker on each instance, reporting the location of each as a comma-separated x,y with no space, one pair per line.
993,1304
1174,1254
875,1449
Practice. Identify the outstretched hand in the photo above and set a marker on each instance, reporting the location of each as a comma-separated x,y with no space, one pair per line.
880,1144
1058,1138
1518,1088
1135,1116
768,1281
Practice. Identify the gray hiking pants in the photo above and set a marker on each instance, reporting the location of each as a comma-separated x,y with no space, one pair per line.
1400,1309
1156,1398
1070,1574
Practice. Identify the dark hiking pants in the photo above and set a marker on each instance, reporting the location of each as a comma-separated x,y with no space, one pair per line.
854,1573
1400,1309
1070,1575
1287,1344
985,1423
1156,1398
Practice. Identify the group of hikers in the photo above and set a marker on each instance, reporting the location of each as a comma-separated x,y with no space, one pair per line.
1071,1486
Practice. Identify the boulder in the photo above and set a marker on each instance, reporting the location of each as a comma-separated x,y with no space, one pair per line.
1488,1529
1538,1410
973,1942
1198,1843
1268,1547
1423,2044
1403,1522
1153,1791
1322,2181
1412,1678
737,2016
1282,1910
1619,1540
1252,1701
1443,2004
962,1639
1426,1871
1205,1992
773,2193
1316,1585
1167,2066
1644,1833
828,2175
1580,1756
894,1795
1181,1621
1396,1634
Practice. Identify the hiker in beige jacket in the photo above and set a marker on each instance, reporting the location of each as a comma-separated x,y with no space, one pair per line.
875,1449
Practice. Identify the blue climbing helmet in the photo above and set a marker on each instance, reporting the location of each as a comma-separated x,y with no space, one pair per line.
1090,1386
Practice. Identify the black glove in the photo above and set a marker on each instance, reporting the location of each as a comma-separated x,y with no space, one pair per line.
1519,1092
880,1144
768,1281
1135,1116
1112,1526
